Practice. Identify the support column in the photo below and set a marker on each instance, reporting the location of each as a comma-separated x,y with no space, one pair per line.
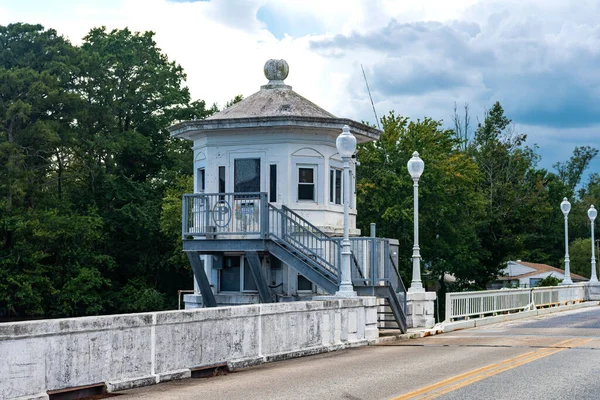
208,298
420,307
261,282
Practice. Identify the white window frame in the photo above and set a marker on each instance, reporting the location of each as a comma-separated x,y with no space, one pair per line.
220,278
304,291
242,275
201,183
332,182
230,169
315,183
260,174
199,164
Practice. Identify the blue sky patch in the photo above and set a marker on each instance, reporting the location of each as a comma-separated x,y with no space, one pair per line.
279,22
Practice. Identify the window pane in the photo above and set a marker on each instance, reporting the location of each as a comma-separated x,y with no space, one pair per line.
338,187
246,175
230,274
331,184
221,179
273,183
306,192
305,175
200,185
249,283
303,283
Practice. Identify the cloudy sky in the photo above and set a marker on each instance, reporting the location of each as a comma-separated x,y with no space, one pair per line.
539,58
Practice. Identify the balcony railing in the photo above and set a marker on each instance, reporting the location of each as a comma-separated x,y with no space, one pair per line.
210,214
250,216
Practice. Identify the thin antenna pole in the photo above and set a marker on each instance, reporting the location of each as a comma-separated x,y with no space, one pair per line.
370,97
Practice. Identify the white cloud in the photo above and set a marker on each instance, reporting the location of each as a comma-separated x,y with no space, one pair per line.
538,57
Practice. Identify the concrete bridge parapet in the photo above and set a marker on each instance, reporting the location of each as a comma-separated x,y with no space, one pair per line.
132,350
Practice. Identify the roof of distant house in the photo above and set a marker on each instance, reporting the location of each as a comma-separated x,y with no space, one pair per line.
538,269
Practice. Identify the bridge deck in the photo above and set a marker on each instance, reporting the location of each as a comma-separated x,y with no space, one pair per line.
552,356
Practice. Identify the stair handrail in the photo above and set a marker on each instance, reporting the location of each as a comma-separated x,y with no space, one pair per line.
291,213
356,265
394,267
308,229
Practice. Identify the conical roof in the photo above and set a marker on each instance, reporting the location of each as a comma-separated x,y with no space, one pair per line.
275,104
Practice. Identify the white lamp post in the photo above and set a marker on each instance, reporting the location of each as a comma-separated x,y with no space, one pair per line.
415,169
346,145
592,213
565,207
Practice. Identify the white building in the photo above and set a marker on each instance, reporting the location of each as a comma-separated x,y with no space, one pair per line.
268,202
526,274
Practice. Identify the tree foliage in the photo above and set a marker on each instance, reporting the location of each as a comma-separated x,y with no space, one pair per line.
448,205
549,281
483,200
91,182
571,171
86,162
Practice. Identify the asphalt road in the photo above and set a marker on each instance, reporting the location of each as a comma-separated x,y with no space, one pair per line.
549,357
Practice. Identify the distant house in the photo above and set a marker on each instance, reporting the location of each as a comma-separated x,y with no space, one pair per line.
526,274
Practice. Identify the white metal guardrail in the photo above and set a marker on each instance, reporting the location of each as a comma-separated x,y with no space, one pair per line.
491,302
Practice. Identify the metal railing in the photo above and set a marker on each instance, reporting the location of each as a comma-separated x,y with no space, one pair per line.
249,215
556,295
372,258
210,214
291,229
491,302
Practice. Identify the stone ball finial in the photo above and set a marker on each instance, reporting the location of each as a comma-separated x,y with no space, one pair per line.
276,70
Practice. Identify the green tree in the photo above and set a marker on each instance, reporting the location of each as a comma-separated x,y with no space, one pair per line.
518,202
571,171
37,104
580,255
449,204
134,93
549,281
85,161
235,100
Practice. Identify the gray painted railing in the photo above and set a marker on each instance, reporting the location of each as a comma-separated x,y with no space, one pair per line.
249,215
210,214
288,228
375,266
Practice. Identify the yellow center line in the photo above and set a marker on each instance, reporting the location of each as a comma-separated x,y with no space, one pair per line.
478,374
473,372
537,356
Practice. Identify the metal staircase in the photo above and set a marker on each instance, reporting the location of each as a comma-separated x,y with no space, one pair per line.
247,222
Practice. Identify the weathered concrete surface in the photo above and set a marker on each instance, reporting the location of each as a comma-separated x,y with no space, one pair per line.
419,309
133,350
400,367
592,291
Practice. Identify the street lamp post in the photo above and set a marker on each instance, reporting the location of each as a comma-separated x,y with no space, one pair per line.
415,169
592,213
346,145
565,207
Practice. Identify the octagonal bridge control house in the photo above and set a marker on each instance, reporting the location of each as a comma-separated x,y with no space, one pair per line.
266,218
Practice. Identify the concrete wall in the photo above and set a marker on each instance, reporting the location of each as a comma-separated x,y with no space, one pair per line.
132,350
